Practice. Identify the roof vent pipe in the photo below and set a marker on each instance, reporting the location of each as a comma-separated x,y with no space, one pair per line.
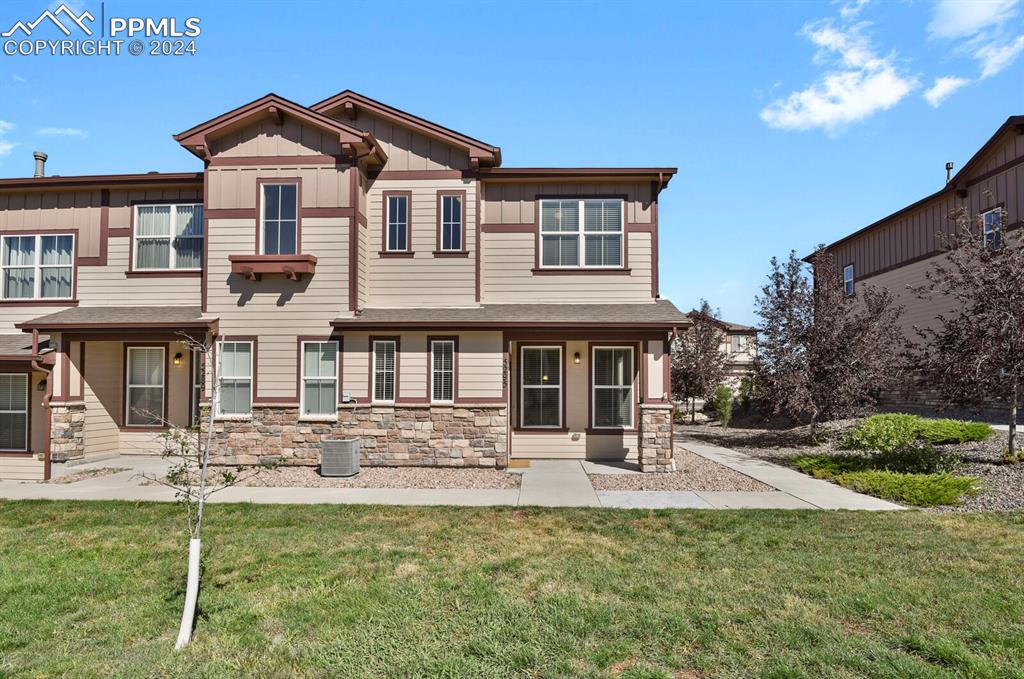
949,172
40,163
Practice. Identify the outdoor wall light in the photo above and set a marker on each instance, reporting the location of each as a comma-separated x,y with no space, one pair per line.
576,358
177,358
41,386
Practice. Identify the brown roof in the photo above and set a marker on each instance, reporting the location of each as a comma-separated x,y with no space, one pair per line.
661,174
120,318
733,327
16,347
146,179
661,314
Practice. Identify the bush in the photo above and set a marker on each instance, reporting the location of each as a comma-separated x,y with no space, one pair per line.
942,431
918,459
920,490
723,405
883,433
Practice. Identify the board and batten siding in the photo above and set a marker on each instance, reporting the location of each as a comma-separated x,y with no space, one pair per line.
235,188
267,138
516,203
406,149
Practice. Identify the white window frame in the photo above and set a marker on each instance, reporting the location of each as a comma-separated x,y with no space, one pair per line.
581,236
434,371
594,386
988,230
523,387
319,378
38,266
263,218
738,344
128,386
25,412
173,261
455,227
393,373
849,282
387,222
221,377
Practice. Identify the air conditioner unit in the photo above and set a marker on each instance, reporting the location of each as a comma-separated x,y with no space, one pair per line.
339,458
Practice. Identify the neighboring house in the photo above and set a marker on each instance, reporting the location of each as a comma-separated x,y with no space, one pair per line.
896,252
740,346
365,272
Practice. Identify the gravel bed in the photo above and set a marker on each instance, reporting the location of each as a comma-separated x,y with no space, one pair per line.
387,477
693,472
87,474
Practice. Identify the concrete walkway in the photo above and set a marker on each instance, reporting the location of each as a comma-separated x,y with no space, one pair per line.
546,483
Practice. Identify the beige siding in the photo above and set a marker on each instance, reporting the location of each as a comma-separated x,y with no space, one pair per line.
655,358
413,366
103,397
266,138
235,187
423,280
122,202
27,468
55,210
507,260
109,286
480,365
508,203
356,367
408,150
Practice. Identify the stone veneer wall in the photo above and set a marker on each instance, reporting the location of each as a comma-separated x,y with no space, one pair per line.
67,431
438,436
656,438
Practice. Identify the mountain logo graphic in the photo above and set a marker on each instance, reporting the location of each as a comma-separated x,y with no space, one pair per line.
77,20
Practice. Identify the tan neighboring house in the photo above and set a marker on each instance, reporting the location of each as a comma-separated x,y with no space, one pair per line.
897,251
364,273
740,346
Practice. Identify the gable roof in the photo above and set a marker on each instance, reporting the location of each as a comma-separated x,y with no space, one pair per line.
276,107
480,152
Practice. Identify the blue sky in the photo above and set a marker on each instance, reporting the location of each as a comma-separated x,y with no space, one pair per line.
791,123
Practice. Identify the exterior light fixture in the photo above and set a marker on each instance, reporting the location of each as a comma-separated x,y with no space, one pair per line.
576,358
177,358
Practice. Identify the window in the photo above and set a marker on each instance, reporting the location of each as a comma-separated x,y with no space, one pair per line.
593,226
450,230
613,387
848,280
320,379
198,378
541,391
235,397
38,267
280,219
144,402
384,370
738,344
442,374
397,224
14,412
992,228
168,237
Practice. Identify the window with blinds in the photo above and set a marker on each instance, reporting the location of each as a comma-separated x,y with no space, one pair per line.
235,376
451,223
442,376
541,389
992,228
168,237
384,370
14,412
37,267
398,224
280,219
613,387
584,233
144,389
320,378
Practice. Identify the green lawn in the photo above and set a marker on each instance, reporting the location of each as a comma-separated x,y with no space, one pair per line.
96,589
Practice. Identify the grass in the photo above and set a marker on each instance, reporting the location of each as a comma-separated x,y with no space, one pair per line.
90,589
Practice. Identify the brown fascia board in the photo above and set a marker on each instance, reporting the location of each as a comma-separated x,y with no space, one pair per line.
355,323
407,119
953,184
20,357
28,326
103,180
662,174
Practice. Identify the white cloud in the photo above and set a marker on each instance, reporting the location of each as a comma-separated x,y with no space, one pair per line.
18,79
5,146
943,88
852,8
858,84
64,132
993,57
964,18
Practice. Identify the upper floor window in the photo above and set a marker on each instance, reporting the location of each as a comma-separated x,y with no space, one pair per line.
397,222
38,267
992,228
168,237
848,280
738,344
450,224
584,233
280,211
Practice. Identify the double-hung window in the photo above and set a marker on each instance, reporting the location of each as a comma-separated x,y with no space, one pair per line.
613,387
235,393
384,364
848,285
737,344
144,388
37,267
992,228
442,373
280,209
14,412
320,379
585,233
168,237
540,395
397,223
451,220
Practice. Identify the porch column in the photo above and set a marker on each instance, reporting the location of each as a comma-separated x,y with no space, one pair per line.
655,434
67,404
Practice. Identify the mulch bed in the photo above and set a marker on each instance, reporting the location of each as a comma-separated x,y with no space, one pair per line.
693,472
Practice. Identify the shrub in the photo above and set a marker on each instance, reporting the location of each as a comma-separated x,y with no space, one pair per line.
918,459
829,466
883,433
940,431
920,490
723,405
746,392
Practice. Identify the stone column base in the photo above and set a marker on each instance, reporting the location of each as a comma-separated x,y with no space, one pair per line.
655,444
67,431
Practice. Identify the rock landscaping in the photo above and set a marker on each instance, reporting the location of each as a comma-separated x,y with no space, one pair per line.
693,472
387,477
87,474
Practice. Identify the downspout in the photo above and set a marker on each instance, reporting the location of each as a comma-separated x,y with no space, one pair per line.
47,416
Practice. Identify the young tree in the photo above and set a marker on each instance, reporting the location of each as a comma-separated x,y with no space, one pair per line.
698,362
975,354
823,353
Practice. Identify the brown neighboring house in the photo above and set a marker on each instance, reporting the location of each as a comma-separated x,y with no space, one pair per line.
364,273
897,251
